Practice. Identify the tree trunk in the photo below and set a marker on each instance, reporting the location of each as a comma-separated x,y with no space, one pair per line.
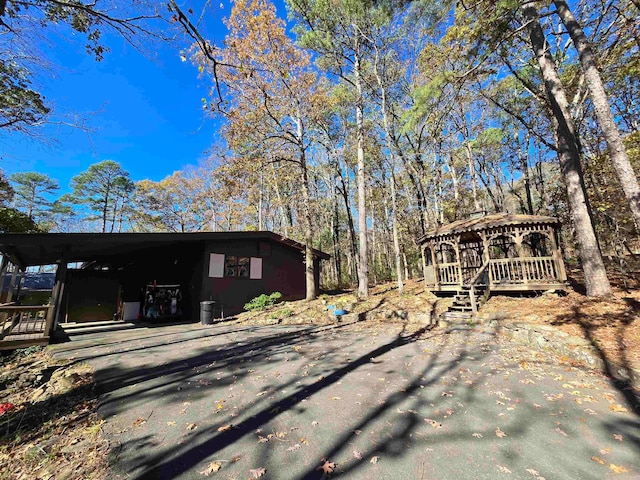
394,202
310,277
617,152
472,172
104,211
595,275
363,253
394,225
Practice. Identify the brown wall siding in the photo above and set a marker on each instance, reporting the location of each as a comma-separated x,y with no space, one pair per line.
282,271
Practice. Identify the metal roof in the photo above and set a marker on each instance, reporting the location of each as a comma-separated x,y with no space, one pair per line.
487,222
27,249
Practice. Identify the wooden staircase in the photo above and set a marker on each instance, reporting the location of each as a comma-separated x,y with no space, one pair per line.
469,299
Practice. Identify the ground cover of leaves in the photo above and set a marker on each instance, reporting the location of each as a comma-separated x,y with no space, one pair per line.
49,428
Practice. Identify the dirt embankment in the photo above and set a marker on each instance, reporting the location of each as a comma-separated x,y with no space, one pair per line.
49,427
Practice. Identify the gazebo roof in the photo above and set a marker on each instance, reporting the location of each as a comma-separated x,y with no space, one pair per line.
487,222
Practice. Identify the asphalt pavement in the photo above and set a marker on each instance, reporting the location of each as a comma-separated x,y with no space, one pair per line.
351,402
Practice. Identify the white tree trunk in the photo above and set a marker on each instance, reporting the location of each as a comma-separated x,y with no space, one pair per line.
602,108
595,275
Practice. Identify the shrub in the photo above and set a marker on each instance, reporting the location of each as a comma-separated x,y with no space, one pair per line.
263,302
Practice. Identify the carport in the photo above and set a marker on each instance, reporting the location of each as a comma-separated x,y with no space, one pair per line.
156,275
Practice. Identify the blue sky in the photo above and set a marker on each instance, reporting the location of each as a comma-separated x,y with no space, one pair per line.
145,113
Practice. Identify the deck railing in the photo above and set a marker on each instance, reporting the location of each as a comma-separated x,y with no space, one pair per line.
24,322
448,274
523,270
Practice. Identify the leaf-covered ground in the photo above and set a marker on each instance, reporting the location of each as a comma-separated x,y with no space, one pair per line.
49,428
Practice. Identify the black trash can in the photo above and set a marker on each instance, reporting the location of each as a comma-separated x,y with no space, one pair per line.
206,312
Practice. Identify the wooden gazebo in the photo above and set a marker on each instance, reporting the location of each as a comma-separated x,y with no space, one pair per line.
498,252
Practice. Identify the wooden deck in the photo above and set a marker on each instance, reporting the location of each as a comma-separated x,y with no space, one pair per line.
24,326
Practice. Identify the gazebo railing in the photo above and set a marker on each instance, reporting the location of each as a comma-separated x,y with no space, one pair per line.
523,270
448,274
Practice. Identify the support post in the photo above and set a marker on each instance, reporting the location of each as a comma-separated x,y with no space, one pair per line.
525,275
436,268
460,279
3,274
562,274
424,266
12,284
56,296
485,256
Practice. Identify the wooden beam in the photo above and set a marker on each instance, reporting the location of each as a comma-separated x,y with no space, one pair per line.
57,295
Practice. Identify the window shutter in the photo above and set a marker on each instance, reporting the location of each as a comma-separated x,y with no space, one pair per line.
256,268
216,265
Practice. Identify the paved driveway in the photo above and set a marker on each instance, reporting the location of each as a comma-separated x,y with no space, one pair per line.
229,401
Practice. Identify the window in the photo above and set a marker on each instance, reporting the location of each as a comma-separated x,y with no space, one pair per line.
236,266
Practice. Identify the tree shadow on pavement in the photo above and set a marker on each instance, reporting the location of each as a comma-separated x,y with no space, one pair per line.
402,390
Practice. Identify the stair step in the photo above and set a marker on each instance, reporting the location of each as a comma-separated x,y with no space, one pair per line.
460,309
464,301
459,315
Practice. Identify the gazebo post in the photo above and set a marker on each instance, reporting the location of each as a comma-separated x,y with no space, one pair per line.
518,235
460,279
434,262
562,274
424,266
485,254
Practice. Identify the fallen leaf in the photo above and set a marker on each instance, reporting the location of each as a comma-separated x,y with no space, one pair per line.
618,436
477,435
605,451
171,424
374,460
139,422
335,398
262,439
261,393
235,459
533,472
618,408
212,468
433,423
224,428
304,441
617,469
294,447
315,424
357,455
598,460
192,426
257,472
500,433
561,432
327,467
503,469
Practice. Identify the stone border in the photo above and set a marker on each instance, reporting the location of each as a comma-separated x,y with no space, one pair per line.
552,339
